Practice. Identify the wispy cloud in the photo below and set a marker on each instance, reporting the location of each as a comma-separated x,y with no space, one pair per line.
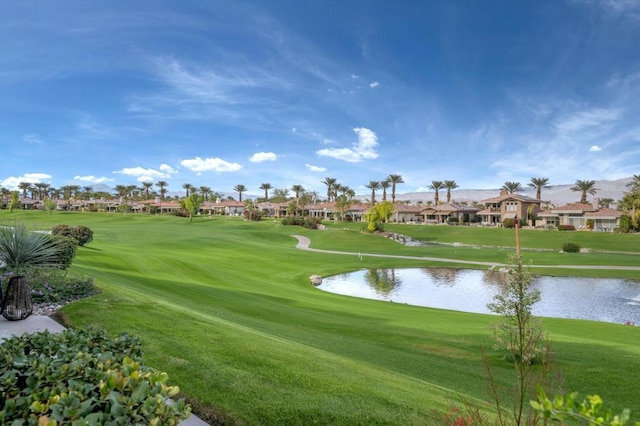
363,149
260,157
198,164
595,148
32,138
374,84
582,120
313,168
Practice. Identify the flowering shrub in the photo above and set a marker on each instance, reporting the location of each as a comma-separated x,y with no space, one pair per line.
566,228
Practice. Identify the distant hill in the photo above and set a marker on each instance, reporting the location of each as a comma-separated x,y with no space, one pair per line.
557,194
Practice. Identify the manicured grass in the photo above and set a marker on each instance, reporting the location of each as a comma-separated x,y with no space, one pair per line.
226,308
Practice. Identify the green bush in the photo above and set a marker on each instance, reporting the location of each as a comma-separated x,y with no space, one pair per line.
81,234
509,223
570,248
306,221
68,249
83,377
452,221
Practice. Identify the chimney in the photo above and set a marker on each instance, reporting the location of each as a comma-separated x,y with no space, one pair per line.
596,203
503,192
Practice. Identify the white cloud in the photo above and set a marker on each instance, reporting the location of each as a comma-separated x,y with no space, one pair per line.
210,164
595,148
146,175
12,181
259,157
92,179
364,149
374,84
168,169
354,76
313,168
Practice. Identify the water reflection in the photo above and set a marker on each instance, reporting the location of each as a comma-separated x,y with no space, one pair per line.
609,300
382,281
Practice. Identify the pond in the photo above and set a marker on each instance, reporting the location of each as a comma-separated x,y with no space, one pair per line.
598,299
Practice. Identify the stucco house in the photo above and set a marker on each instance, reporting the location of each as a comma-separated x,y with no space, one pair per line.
442,212
508,206
577,215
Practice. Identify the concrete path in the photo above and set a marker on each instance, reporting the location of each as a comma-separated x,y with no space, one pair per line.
36,323
304,244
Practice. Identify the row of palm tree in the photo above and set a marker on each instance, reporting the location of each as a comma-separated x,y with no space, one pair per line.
41,190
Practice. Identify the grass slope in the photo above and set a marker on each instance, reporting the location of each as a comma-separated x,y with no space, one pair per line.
226,308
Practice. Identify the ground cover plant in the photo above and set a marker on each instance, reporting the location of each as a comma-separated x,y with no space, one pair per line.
225,307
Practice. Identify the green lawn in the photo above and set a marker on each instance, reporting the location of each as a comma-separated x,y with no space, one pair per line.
226,308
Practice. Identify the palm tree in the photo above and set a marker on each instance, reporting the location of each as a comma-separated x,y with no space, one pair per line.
75,189
266,187
350,193
538,184
122,191
384,185
331,183
511,187
373,185
605,202
87,190
24,186
297,189
187,187
450,185
145,187
240,188
634,185
205,191
585,186
162,185
394,179
436,185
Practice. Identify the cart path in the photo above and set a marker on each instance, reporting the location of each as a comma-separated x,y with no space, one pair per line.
304,243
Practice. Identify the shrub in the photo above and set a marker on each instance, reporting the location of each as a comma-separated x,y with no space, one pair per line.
452,221
509,223
566,228
81,234
254,215
68,249
306,221
83,377
570,248
21,248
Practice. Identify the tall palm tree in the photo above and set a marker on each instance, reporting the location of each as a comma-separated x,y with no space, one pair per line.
205,191
538,184
394,179
436,185
145,187
75,190
373,185
634,185
331,183
266,187
163,188
350,193
297,190
585,186
240,188
87,190
187,187
605,202
512,187
384,185
24,186
450,185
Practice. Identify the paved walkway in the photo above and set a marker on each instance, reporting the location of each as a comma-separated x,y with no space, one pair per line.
36,323
304,244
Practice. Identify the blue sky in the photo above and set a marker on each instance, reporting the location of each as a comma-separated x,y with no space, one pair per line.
290,92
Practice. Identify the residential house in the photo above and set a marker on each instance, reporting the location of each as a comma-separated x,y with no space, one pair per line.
405,213
577,215
508,206
442,212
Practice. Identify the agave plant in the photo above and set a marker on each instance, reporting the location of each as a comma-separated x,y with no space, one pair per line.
21,248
